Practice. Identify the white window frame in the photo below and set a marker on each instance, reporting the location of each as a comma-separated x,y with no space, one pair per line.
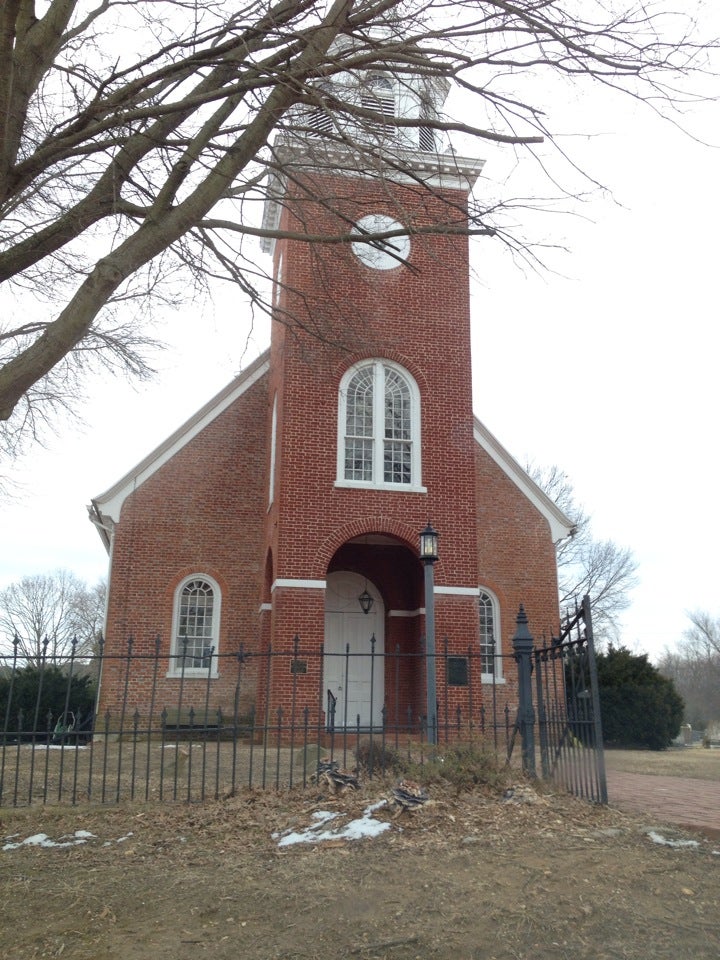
379,365
496,676
273,453
176,668
278,284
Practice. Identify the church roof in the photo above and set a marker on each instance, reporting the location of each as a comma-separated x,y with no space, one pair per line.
105,509
560,525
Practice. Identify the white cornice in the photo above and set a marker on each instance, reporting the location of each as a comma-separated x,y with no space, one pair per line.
440,171
105,509
401,164
560,526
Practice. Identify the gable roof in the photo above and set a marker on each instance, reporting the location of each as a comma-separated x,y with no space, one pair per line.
105,509
560,525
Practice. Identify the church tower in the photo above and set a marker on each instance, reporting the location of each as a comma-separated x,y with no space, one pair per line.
370,400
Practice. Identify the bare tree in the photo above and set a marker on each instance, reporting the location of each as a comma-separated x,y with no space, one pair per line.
702,638
599,568
140,139
694,666
42,616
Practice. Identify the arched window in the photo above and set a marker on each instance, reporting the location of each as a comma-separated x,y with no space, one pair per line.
490,662
379,427
196,622
378,94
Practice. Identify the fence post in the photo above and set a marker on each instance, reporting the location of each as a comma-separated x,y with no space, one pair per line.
595,695
523,651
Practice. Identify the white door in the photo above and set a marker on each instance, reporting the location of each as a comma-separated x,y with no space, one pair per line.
353,676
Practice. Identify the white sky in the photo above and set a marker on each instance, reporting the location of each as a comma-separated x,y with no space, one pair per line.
607,368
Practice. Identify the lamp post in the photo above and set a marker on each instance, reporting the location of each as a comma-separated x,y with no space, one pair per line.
428,557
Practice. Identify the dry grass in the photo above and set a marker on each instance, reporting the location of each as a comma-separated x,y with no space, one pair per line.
695,762
110,771
472,877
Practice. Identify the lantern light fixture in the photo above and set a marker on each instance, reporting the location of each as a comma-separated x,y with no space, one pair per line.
429,544
366,601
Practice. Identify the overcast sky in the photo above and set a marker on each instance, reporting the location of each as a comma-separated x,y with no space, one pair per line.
606,367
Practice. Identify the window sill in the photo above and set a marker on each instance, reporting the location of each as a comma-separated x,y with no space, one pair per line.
191,674
390,487
490,679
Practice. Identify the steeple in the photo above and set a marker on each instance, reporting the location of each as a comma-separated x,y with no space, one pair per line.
368,123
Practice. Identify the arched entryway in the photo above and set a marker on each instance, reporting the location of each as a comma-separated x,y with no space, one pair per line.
354,674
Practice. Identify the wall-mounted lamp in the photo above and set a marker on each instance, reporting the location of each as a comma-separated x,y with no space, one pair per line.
366,601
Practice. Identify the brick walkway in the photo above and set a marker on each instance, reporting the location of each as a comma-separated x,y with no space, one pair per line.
686,802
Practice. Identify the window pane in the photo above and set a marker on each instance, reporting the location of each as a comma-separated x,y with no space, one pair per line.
359,418
397,406
487,635
359,426
398,429
397,462
358,459
195,625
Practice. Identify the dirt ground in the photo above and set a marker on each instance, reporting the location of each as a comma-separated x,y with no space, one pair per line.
481,876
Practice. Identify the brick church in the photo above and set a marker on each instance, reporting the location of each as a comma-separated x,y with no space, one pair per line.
274,537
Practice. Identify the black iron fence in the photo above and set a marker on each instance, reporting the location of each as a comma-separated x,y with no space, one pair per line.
178,743
559,712
178,739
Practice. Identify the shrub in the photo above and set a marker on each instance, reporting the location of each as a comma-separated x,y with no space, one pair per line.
463,766
34,699
379,759
639,707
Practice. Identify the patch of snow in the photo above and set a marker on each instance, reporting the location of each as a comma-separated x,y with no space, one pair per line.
658,838
69,840
42,840
109,843
54,746
365,826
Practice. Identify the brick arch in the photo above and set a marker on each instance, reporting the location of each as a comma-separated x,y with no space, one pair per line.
363,526
394,356
196,569
491,584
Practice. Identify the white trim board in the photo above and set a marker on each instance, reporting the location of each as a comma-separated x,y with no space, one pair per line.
299,584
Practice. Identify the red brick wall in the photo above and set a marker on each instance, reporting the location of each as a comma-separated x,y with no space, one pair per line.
516,556
201,512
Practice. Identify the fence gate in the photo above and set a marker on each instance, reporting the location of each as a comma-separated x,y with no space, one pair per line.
559,706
